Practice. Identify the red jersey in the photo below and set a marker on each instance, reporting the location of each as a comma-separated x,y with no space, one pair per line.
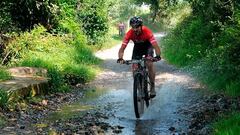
145,36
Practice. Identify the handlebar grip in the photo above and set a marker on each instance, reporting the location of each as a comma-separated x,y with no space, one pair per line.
126,62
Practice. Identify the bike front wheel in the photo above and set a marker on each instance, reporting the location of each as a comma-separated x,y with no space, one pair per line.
138,95
146,91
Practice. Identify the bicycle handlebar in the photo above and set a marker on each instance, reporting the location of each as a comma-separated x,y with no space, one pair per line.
127,62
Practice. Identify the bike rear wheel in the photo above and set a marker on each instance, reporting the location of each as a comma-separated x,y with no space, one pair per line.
138,95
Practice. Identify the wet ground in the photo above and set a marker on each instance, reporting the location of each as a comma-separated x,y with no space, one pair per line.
175,90
105,106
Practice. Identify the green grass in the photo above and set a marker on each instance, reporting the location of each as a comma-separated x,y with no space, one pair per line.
3,98
81,73
233,88
2,121
4,74
227,125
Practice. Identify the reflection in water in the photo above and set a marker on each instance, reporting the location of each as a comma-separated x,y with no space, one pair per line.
143,127
69,111
92,94
78,108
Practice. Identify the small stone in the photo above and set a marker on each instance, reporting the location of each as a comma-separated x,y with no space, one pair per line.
120,127
44,102
8,128
22,127
172,129
117,131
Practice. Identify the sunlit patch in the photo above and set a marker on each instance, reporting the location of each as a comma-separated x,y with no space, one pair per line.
177,78
42,125
69,111
52,132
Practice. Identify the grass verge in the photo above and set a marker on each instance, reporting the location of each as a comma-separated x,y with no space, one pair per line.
4,74
227,125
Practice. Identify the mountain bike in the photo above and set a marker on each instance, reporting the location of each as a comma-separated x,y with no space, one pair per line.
141,85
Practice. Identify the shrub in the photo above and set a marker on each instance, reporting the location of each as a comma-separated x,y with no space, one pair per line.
61,56
188,43
208,42
75,74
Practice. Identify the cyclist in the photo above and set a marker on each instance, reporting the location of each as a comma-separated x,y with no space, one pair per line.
144,43
121,28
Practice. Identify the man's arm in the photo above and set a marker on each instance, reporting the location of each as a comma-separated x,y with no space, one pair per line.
121,51
124,45
157,48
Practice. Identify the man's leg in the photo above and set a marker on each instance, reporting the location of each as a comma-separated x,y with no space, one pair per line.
121,34
151,71
119,31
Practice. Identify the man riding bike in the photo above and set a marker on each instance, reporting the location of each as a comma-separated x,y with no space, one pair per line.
144,43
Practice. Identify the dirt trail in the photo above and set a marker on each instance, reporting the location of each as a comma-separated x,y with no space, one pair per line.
176,90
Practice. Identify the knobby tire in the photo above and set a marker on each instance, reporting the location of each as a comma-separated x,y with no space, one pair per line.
136,89
146,91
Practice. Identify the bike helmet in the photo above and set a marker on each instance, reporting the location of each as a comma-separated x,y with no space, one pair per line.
136,21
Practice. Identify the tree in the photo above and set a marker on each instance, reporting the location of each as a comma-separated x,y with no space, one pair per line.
121,9
157,6
94,18
154,6
26,13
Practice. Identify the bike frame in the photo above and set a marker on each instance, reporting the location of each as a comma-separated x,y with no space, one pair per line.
141,81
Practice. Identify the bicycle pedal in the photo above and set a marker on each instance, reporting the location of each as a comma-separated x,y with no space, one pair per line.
152,96
148,98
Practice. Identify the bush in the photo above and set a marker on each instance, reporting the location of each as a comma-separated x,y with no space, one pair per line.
208,43
75,74
61,56
188,43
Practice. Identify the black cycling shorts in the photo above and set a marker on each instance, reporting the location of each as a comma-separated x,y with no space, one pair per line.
141,49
